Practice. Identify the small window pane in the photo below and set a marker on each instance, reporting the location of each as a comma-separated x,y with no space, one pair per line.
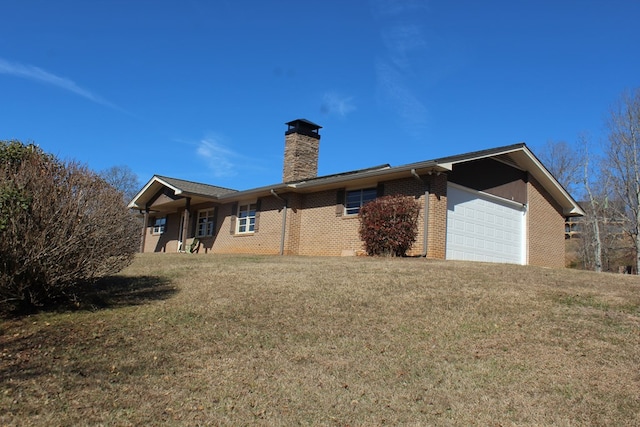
246,218
159,224
353,196
368,195
205,225
357,198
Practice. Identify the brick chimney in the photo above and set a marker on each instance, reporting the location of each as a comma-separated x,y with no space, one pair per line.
301,146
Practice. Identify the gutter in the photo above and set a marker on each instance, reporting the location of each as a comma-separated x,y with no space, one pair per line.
284,219
425,227
431,165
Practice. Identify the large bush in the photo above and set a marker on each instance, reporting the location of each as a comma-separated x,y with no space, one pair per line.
389,225
61,226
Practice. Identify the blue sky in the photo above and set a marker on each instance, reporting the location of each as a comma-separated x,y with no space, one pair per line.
201,89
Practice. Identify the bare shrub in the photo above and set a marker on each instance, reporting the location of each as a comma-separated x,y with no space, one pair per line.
389,225
61,226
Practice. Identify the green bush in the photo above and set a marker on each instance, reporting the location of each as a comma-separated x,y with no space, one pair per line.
389,225
61,226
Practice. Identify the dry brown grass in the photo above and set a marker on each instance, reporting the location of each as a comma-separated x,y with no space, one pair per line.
239,340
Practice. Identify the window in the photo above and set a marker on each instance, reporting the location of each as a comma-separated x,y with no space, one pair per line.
246,218
206,224
358,198
159,225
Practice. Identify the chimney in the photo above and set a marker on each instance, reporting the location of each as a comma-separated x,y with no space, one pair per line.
301,146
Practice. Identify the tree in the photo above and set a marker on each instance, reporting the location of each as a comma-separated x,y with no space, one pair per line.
389,225
61,226
564,163
592,234
123,179
623,162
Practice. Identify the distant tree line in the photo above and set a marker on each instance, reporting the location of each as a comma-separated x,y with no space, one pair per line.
605,177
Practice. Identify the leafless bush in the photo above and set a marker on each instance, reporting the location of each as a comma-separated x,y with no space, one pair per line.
61,226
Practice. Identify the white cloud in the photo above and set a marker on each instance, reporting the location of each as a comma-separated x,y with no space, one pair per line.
394,90
218,158
38,74
333,103
400,68
403,40
390,8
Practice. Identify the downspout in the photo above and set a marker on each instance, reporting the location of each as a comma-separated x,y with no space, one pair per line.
284,219
426,213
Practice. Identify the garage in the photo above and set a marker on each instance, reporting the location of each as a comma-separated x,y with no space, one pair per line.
482,227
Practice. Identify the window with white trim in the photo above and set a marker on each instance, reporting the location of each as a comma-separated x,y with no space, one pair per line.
159,225
205,225
246,218
355,199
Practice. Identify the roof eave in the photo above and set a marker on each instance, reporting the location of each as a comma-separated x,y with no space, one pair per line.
400,171
569,205
520,153
529,162
133,204
140,201
253,192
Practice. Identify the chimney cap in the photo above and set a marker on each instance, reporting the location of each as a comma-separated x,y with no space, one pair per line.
303,121
303,126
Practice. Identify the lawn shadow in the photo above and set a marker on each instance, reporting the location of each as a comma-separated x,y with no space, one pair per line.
107,292
24,354
119,291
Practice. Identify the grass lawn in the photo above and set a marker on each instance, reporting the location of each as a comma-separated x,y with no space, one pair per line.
182,339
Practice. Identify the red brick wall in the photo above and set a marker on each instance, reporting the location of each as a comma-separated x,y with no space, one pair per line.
294,214
322,232
264,241
437,231
545,225
167,241
313,227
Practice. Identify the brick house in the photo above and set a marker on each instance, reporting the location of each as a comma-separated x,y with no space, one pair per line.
496,205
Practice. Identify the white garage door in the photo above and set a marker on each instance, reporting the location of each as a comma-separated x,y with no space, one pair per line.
481,227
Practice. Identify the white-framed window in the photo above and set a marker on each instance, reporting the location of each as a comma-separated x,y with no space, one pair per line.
205,224
246,218
159,224
355,199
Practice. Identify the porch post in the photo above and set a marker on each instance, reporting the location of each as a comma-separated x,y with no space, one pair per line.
143,235
185,225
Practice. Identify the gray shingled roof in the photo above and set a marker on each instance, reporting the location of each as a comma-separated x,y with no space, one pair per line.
342,174
517,154
196,187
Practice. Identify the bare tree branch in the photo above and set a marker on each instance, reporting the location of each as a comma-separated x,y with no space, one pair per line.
623,161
